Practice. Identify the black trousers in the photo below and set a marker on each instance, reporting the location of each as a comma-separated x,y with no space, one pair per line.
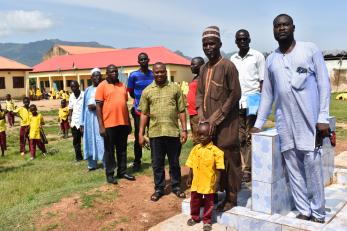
76,141
116,137
160,147
137,147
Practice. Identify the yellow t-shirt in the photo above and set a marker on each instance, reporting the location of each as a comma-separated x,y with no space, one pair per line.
10,106
2,122
204,161
38,92
63,113
24,115
34,126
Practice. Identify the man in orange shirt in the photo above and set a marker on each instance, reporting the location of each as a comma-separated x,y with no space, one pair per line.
114,124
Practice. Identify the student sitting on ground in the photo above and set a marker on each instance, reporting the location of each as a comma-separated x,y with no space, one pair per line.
2,131
205,162
35,123
63,118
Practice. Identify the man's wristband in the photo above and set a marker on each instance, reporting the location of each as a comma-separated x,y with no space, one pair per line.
185,130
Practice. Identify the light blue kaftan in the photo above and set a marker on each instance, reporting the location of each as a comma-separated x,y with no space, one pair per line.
93,143
298,83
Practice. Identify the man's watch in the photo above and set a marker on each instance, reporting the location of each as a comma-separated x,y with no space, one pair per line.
185,130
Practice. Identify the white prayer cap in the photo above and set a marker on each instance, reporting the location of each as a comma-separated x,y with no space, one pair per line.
95,70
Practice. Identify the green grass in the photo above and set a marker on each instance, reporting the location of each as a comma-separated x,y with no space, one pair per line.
50,113
338,108
27,186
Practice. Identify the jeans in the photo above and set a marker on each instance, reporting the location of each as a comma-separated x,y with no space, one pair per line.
160,147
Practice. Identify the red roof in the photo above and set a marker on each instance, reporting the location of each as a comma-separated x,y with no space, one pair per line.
9,64
120,58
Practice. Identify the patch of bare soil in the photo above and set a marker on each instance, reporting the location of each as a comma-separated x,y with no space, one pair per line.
341,146
126,206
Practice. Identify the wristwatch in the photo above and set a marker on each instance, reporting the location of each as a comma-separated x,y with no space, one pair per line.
185,130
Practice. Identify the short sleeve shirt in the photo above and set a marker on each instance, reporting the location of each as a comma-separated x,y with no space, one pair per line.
114,97
138,81
204,161
34,127
162,104
10,106
24,115
2,122
63,113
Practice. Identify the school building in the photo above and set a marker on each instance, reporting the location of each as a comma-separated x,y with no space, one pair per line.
336,61
58,71
13,78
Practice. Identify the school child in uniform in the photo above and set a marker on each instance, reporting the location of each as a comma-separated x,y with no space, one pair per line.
2,131
23,113
10,106
63,118
35,125
205,162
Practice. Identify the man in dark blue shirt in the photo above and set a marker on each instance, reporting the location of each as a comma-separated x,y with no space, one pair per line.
139,80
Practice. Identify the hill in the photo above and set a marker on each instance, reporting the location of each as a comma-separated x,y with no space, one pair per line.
31,53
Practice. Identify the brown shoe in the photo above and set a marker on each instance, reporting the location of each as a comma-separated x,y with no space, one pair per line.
302,217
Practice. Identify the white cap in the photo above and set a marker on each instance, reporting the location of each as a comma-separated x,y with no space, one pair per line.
95,70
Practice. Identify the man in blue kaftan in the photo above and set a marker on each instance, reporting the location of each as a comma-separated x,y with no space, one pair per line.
93,143
297,81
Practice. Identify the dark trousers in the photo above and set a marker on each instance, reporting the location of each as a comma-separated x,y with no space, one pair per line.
23,137
246,123
32,146
76,141
160,147
10,118
116,137
196,201
137,147
3,141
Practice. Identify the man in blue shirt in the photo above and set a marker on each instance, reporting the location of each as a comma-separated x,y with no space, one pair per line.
297,81
138,80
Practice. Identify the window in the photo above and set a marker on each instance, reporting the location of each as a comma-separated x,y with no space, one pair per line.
47,84
89,82
18,82
2,83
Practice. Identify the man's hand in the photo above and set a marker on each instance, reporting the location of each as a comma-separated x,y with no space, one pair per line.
69,118
255,130
102,131
141,140
323,128
184,137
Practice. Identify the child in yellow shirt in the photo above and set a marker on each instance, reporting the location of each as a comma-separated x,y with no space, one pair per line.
63,118
10,106
205,162
36,121
2,131
23,113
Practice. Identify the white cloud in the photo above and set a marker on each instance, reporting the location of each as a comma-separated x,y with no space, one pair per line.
23,21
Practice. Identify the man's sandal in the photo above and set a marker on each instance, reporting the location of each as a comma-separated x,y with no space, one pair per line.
192,222
207,227
156,195
179,193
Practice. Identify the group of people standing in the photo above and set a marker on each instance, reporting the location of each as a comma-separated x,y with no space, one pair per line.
221,101
295,78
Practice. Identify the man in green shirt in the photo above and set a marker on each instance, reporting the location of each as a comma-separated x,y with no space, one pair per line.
162,104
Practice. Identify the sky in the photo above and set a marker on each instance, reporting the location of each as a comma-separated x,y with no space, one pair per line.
177,24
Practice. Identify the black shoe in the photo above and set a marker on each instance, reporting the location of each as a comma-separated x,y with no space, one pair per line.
112,180
127,176
318,220
302,217
91,169
136,167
